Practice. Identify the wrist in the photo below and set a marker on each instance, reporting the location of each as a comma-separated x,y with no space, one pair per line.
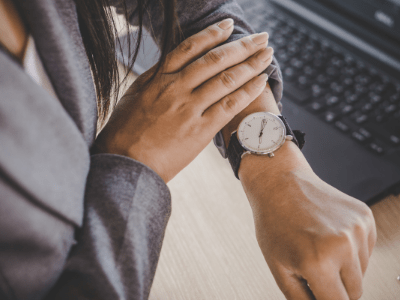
273,171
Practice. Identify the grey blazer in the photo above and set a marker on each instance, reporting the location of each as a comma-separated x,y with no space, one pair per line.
75,226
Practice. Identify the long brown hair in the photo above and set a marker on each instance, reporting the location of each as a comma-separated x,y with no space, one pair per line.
100,38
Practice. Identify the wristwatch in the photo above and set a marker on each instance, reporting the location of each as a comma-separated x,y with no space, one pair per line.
261,133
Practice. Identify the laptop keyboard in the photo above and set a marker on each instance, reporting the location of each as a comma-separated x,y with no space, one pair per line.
331,83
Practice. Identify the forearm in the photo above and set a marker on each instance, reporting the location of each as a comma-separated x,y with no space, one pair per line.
265,102
127,207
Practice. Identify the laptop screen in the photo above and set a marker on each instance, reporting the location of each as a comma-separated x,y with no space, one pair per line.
383,15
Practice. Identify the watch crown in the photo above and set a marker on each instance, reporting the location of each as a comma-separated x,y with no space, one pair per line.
271,154
289,138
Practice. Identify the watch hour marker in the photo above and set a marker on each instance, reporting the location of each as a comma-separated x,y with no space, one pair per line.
276,128
248,124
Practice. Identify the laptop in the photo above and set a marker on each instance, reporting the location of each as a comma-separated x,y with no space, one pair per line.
341,68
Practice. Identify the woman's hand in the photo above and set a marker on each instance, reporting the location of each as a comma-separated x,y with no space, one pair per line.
309,232
201,87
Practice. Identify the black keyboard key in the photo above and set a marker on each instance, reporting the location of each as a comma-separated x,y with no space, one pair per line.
311,46
361,67
286,30
379,88
299,38
361,119
310,72
360,89
283,56
350,61
279,40
332,100
338,62
317,90
351,98
390,109
303,82
366,108
349,71
363,79
395,139
306,57
330,116
376,148
322,80
289,74
346,109
317,106
395,98
365,133
333,72
342,126
337,88
296,63
348,81
293,49
358,137
374,98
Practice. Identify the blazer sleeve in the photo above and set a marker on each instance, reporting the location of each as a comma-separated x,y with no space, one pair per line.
194,16
127,207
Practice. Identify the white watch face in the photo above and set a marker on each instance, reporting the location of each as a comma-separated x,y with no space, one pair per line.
261,132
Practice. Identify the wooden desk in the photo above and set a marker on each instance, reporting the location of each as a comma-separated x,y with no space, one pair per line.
210,250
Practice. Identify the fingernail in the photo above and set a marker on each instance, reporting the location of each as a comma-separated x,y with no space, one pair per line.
225,24
265,54
261,80
260,38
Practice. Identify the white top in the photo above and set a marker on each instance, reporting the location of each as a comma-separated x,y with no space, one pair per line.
34,67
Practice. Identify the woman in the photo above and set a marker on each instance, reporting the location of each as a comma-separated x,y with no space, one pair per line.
81,226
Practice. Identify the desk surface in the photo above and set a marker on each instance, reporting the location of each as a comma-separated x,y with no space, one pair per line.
210,250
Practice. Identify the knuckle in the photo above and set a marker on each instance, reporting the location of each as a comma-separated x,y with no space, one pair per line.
246,44
344,239
188,46
248,92
227,79
253,65
366,215
215,56
213,32
229,104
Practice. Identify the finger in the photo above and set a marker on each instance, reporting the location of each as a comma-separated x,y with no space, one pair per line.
197,45
233,78
327,286
373,235
220,113
364,253
293,287
222,58
352,279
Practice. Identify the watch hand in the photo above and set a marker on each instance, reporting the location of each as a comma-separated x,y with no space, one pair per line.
263,123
